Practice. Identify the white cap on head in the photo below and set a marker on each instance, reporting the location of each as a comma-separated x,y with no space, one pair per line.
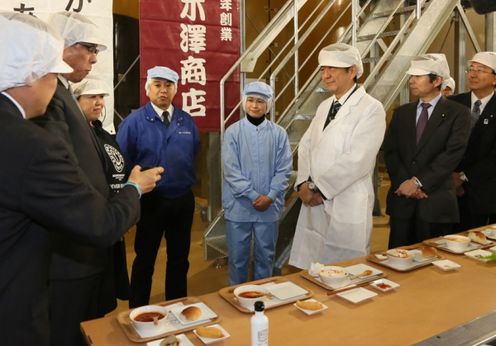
426,64
162,72
450,82
341,55
485,58
30,50
90,86
75,28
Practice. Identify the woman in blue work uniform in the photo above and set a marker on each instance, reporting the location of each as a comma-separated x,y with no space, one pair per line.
257,165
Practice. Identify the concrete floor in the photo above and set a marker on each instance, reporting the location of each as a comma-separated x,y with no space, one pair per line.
205,276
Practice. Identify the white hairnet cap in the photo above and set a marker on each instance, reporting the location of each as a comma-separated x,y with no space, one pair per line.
450,82
259,88
341,55
162,72
429,64
486,58
30,50
90,86
75,28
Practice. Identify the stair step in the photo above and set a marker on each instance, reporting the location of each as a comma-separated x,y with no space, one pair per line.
372,36
407,9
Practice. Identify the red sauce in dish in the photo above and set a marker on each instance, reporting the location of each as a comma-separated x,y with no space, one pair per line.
148,316
383,285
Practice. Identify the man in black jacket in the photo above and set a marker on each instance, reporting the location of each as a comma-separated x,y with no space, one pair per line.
475,176
42,189
423,144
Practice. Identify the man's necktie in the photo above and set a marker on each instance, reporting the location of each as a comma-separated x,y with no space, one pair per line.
332,112
422,121
165,118
475,113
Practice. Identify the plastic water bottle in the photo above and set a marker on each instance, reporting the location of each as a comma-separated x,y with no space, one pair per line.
259,326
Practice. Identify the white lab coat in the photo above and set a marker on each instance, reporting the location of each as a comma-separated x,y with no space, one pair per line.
340,160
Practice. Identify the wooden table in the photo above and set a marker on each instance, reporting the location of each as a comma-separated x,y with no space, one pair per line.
428,302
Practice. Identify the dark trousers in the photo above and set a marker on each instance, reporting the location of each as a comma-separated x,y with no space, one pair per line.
71,302
407,231
171,218
469,218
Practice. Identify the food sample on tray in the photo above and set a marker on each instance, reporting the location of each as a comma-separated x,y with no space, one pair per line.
191,313
170,340
209,332
477,237
309,304
428,251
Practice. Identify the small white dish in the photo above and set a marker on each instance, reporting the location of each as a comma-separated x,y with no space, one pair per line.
360,268
381,257
286,290
490,233
478,254
311,312
384,285
446,265
357,295
207,314
208,341
183,341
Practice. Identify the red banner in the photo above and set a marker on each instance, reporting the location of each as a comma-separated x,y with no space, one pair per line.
199,39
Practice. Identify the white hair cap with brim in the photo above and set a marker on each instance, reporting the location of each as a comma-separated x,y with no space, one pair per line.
162,72
450,82
30,50
90,86
485,58
76,28
341,55
426,64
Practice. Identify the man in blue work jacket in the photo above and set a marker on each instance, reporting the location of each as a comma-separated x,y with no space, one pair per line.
161,134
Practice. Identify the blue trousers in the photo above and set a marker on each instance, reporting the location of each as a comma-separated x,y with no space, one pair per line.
239,235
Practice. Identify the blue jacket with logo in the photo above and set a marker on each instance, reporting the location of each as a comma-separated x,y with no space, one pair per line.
145,141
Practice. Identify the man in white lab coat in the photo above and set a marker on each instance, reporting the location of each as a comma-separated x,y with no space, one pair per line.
336,158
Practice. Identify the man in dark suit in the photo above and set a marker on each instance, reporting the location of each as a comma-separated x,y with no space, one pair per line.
42,189
424,141
475,176
78,272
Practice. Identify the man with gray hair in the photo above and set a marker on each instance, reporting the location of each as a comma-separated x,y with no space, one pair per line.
475,176
43,192
424,143
336,159
78,280
160,133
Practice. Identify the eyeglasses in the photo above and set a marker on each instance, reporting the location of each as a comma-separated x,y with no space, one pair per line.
92,48
478,70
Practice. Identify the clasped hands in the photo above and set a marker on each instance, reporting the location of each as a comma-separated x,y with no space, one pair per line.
262,202
308,197
410,189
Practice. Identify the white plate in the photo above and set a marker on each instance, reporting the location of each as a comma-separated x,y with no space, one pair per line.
476,254
391,285
311,312
208,341
446,265
207,314
286,290
490,233
471,246
183,341
358,269
357,295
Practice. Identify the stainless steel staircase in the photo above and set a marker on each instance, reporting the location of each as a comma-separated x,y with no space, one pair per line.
388,33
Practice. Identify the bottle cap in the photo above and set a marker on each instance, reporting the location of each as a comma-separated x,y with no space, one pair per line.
259,306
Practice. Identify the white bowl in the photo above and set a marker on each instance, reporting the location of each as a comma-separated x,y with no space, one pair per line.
246,301
333,275
456,242
148,327
400,257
